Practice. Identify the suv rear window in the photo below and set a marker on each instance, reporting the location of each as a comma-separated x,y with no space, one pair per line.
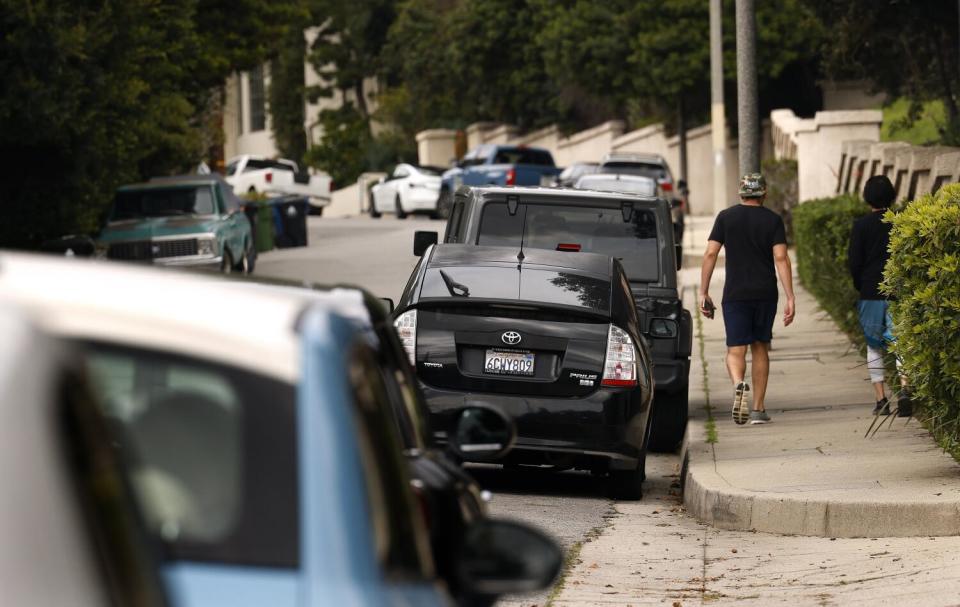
644,169
163,202
593,229
255,164
523,156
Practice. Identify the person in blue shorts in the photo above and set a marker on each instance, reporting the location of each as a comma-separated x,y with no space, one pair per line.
756,251
867,256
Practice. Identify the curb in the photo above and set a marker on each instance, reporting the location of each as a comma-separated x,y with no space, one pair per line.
709,498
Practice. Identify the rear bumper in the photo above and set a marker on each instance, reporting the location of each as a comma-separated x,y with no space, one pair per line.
608,425
421,199
199,262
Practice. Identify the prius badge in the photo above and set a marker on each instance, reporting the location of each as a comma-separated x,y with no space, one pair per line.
511,338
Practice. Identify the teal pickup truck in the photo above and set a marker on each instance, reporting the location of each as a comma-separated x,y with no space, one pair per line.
189,220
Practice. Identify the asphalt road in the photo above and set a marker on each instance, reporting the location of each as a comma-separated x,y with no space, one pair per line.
378,256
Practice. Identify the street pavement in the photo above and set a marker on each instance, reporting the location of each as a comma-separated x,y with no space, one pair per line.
655,552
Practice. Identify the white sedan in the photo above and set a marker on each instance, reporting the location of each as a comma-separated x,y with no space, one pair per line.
408,189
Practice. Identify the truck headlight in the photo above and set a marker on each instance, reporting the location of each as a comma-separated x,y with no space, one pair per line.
207,246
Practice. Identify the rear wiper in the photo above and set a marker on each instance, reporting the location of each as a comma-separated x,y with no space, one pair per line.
453,286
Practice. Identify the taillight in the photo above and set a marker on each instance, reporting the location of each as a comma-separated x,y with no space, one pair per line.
620,368
511,177
406,325
332,185
571,247
269,177
423,500
666,186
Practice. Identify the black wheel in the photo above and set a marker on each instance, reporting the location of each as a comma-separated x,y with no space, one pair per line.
248,261
316,211
374,213
627,484
401,214
226,265
670,413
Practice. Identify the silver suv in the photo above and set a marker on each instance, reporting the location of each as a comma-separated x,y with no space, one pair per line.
655,167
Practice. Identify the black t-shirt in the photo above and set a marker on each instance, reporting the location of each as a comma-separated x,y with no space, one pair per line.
749,233
868,254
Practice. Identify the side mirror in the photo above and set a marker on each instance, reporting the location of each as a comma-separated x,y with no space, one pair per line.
389,304
679,249
481,433
502,557
422,241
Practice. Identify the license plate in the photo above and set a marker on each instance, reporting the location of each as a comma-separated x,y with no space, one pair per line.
501,362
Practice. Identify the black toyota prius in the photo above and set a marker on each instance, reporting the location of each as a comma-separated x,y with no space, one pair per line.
550,337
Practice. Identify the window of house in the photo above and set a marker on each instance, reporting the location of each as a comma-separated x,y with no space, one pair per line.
258,100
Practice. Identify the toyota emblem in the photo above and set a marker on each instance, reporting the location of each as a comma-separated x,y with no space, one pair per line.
511,338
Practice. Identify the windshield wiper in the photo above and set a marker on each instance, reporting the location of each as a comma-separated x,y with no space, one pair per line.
453,286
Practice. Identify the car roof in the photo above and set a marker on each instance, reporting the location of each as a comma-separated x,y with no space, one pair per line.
562,194
175,180
159,309
633,157
452,255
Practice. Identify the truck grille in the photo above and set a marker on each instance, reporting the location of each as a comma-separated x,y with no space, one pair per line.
144,249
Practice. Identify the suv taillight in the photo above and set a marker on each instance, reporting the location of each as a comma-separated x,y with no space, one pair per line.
511,177
406,325
620,368
268,177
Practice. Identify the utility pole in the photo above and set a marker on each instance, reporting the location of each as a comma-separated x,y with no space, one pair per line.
748,121
717,111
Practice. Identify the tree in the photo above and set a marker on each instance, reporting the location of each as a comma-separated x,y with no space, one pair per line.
104,92
287,96
905,48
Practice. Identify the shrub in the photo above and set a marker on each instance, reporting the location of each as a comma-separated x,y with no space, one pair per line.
923,275
822,231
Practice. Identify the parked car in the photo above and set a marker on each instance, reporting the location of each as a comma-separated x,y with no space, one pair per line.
626,184
635,230
552,337
408,189
249,174
451,499
264,456
569,176
68,520
490,164
655,167
187,221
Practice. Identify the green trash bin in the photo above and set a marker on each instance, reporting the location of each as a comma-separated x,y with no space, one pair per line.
263,233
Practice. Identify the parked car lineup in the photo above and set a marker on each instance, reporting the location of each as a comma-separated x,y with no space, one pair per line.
315,455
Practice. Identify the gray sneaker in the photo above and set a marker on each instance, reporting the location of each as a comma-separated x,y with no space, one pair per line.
758,417
741,406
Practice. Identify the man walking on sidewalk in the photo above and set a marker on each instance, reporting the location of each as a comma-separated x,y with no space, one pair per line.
756,247
867,257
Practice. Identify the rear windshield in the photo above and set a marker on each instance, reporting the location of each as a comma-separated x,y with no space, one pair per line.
523,156
645,187
531,284
587,229
163,202
256,164
211,450
644,169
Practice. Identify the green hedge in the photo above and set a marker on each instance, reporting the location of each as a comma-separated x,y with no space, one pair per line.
923,275
822,233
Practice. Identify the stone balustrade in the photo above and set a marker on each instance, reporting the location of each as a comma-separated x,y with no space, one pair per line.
913,170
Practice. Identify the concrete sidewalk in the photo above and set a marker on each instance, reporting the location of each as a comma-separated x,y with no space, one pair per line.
811,471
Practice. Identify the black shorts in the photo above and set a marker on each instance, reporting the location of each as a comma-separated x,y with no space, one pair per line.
749,321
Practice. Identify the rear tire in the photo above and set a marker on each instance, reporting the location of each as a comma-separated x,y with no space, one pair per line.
670,414
374,213
248,261
401,214
628,484
226,266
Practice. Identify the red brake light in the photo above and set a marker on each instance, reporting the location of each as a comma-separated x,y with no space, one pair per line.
269,177
569,246
511,177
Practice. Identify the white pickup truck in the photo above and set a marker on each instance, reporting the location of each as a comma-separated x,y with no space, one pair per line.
258,174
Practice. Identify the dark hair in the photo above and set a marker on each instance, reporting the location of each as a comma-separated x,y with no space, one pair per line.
879,192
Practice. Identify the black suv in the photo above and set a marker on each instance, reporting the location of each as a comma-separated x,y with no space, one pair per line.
635,230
